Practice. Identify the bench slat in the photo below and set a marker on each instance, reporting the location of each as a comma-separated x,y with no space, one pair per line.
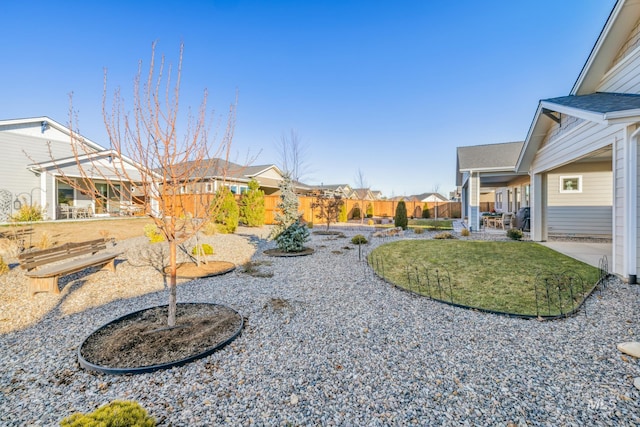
31,260
73,265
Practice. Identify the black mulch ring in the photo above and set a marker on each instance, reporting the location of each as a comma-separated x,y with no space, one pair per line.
140,342
279,253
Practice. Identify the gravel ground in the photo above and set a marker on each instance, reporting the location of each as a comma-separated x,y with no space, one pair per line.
327,343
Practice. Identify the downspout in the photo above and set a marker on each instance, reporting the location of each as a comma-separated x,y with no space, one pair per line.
631,196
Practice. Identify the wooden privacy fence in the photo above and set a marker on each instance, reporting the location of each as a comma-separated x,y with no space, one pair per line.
195,204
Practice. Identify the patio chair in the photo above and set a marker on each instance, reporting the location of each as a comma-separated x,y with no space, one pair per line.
64,211
505,221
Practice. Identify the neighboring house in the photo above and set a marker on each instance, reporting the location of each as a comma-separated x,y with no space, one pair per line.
430,197
377,195
488,173
581,150
362,194
340,190
210,174
36,151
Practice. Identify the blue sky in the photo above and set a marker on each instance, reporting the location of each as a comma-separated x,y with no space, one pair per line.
390,88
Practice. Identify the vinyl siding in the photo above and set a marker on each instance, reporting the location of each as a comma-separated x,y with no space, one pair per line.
597,187
580,220
624,77
23,145
583,140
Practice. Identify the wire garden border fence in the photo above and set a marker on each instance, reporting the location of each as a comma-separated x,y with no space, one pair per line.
558,294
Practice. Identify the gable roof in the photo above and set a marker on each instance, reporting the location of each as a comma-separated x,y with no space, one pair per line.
424,196
46,121
583,101
489,157
622,19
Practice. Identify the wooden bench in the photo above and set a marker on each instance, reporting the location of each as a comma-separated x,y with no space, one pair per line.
19,235
44,267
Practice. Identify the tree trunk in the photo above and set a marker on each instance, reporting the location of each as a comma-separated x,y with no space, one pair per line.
173,294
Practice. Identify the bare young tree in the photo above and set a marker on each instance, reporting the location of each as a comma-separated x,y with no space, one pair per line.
151,162
436,188
328,208
362,188
293,155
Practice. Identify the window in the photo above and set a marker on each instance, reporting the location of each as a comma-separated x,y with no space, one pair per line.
208,187
65,193
527,189
571,184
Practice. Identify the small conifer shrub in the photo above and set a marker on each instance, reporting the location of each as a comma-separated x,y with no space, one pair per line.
4,268
343,213
116,413
369,210
251,205
292,239
359,239
152,233
401,219
228,215
202,249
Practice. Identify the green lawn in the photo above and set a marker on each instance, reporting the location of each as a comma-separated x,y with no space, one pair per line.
427,224
498,276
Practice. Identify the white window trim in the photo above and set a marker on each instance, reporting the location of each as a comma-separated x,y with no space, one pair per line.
572,177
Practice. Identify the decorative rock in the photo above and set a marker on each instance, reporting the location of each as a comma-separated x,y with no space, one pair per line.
294,399
636,383
630,348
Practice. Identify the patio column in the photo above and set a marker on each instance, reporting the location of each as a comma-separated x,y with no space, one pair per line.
538,212
474,200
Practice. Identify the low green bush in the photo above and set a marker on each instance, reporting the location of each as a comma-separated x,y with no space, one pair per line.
152,232
4,268
115,414
514,234
28,213
202,249
444,235
359,239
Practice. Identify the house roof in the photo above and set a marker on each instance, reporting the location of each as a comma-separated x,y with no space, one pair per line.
621,21
599,102
426,195
489,157
583,100
50,122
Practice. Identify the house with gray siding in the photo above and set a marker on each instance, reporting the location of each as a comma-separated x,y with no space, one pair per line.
581,152
38,161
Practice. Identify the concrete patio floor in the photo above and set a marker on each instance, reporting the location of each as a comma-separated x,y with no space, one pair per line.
587,252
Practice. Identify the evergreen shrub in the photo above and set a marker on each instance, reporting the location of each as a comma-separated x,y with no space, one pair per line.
227,216
293,237
400,219
252,208
115,414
